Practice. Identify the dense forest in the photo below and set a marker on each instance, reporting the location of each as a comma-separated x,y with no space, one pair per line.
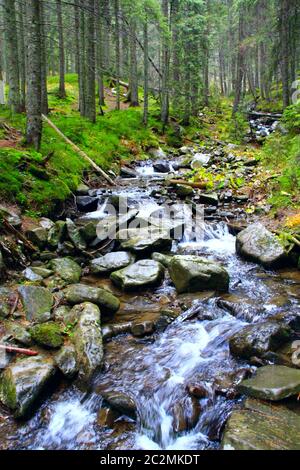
149,225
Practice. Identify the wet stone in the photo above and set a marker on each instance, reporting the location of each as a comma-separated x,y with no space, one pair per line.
65,360
79,293
37,302
144,273
111,262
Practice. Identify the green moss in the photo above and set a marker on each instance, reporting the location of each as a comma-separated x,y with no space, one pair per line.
47,334
8,390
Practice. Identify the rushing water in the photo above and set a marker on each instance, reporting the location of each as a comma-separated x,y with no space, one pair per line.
194,348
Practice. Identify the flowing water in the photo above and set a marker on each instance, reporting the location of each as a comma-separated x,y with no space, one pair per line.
155,374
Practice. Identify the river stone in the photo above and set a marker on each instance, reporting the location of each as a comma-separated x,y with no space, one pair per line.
211,199
157,153
272,383
162,259
79,293
82,190
87,340
30,275
48,335
161,167
183,190
88,230
22,382
262,426
18,332
143,241
75,236
7,299
111,262
11,217
87,203
195,274
256,243
142,329
37,302
65,360
120,401
42,272
57,233
144,273
38,236
61,314
67,269
258,339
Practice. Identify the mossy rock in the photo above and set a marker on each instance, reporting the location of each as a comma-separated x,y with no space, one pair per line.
48,335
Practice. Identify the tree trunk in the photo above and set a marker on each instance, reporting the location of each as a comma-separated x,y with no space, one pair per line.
165,67
61,46
117,40
240,65
34,91
22,55
82,64
99,52
134,89
14,99
146,72
106,36
284,40
175,54
44,98
90,111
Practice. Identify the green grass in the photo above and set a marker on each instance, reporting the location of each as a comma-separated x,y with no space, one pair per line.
37,186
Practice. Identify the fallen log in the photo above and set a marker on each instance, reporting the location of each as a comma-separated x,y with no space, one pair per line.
78,150
14,349
19,235
188,183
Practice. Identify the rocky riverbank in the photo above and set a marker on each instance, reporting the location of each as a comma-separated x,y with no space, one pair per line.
91,305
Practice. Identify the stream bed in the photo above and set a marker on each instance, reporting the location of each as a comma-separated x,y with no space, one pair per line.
156,371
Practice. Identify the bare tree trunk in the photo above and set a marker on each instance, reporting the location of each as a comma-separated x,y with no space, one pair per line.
175,54
62,89
90,111
240,65
117,34
284,40
134,88
11,40
22,55
165,67
34,92
99,52
44,99
146,72
106,35
82,64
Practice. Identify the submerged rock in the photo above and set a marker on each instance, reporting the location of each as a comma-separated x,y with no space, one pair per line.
37,302
87,340
258,339
144,273
111,262
48,335
272,383
195,274
256,243
66,269
79,293
262,426
144,240
22,382
186,413
120,401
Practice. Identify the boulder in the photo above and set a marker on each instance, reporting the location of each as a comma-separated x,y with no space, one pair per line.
37,302
75,236
7,300
258,339
82,189
67,269
161,167
120,401
199,160
195,274
186,413
272,383
48,335
157,153
18,332
38,236
144,273
111,262
142,329
23,381
256,243
143,241
262,426
62,314
87,340
106,417
79,293
162,259
65,360
57,233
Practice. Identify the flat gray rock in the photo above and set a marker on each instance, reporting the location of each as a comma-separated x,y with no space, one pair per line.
272,383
